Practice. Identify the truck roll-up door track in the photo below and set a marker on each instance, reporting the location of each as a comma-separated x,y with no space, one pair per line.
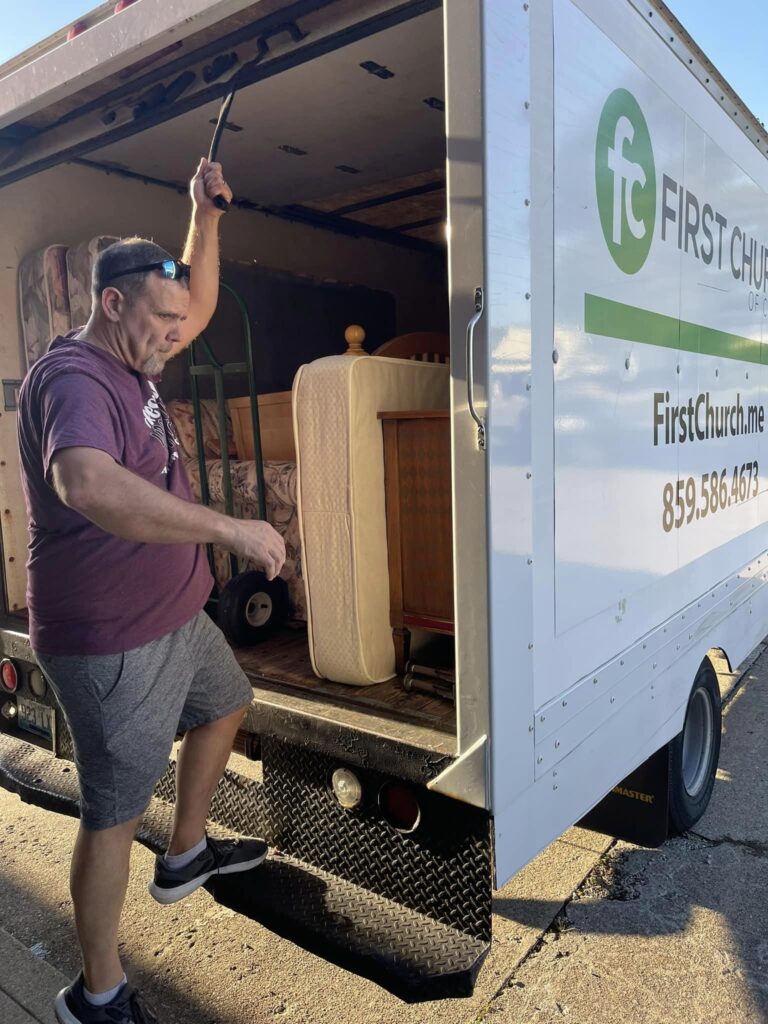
296,214
63,142
223,59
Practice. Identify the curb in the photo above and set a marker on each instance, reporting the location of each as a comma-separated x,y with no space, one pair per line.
28,985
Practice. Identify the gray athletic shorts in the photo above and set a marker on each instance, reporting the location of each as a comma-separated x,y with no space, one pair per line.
124,711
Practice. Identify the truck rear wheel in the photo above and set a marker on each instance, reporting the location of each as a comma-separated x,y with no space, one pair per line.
694,753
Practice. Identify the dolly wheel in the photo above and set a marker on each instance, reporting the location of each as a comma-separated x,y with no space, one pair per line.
252,608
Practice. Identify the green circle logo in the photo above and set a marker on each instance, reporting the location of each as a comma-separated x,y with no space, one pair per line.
625,178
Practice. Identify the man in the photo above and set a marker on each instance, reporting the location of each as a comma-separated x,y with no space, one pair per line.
117,583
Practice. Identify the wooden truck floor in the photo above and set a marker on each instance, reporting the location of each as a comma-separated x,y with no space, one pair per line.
281,674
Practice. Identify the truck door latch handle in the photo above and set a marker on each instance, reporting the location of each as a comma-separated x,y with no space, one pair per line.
479,307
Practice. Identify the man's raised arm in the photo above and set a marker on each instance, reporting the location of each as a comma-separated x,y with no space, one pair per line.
201,251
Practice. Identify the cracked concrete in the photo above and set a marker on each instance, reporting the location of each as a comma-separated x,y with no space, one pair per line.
739,810
655,936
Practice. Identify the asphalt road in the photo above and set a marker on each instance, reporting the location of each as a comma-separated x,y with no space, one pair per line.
592,932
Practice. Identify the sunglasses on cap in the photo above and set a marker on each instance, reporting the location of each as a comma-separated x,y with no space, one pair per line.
174,270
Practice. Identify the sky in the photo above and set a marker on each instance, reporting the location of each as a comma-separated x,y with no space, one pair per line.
728,32
20,31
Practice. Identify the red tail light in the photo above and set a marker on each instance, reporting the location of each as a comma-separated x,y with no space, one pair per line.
399,806
9,675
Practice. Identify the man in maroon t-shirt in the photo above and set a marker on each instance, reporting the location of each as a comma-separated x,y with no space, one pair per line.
117,584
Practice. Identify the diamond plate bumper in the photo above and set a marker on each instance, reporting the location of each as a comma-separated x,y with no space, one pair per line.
411,912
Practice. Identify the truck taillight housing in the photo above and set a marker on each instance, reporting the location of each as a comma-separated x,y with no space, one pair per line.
8,675
347,788
399,806
37,683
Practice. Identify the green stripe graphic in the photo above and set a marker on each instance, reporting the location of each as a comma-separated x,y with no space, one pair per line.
630,323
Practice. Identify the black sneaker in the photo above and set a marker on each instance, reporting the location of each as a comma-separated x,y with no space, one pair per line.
220,857
126,1008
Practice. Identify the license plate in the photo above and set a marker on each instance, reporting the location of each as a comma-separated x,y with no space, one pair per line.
36,718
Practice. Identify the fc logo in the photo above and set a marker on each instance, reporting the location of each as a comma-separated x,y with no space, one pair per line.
625,179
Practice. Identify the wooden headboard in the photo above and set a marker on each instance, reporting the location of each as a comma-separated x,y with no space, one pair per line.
275,414
423,346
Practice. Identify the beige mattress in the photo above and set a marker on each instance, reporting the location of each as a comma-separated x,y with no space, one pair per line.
341,504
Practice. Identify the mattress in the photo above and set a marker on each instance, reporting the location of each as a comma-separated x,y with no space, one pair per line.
80,260
44,299
341,503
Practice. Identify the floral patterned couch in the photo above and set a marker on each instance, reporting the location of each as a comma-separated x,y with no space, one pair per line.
44,299
55,292
80,261
280,492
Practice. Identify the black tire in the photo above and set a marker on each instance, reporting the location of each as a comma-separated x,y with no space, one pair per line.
695,752
252,608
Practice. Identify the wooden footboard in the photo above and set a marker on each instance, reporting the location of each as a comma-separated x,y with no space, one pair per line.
275,422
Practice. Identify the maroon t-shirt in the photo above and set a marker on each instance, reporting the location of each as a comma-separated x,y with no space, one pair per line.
90,592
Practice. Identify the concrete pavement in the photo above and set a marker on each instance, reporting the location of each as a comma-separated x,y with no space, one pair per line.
28,985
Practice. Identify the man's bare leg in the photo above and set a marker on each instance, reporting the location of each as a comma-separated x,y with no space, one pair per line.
98,882
201,762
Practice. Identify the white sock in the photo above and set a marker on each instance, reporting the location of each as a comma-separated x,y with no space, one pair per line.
180,860
102,998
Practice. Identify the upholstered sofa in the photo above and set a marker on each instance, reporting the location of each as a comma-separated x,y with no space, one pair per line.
279,492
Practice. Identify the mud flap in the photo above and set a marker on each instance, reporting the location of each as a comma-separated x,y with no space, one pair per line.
636,810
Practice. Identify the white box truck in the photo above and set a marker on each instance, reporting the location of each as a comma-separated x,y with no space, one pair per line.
573,191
